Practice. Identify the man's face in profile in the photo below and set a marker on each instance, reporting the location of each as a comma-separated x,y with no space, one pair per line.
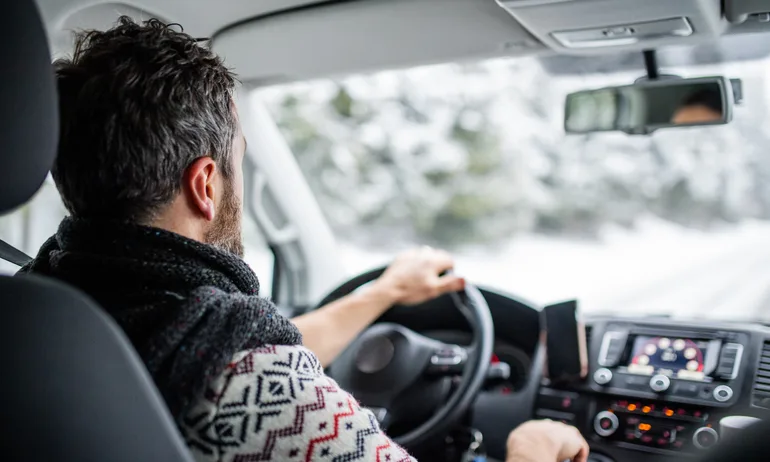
695,113
225,231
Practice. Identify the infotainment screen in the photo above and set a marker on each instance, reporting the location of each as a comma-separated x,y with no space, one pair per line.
684,358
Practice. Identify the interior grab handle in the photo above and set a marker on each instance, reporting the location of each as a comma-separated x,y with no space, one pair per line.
274,234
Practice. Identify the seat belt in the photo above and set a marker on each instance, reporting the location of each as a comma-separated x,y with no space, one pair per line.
13,255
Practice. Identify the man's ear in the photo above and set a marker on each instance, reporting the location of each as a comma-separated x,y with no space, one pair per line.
200,186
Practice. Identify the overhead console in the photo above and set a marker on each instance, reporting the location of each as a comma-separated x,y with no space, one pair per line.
741,11
594,26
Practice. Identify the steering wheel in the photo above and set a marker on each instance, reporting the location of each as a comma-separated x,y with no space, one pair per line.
398,373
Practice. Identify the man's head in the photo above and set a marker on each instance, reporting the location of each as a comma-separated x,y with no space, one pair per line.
150,133
700,107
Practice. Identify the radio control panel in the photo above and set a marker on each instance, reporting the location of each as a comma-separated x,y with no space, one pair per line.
679,366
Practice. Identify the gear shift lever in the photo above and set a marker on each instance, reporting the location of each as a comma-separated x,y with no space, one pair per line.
731,426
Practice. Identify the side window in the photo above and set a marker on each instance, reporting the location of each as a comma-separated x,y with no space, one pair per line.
28,227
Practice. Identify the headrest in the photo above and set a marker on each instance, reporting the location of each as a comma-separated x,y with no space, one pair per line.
29,116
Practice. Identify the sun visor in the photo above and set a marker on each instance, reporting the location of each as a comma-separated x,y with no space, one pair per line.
347,37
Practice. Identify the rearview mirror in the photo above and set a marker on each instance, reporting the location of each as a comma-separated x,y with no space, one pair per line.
646,106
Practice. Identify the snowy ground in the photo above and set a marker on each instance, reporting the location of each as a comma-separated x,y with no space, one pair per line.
657,269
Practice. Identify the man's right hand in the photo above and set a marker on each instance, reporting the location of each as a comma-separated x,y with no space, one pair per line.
546,441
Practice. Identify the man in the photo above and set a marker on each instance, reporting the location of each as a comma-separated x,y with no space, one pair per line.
700,107
149,167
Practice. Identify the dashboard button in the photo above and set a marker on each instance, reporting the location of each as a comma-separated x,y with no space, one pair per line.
602,376
559,401
564,417
723,393
705,437
687,389
636,382
660,383
729,361
606,423
613,344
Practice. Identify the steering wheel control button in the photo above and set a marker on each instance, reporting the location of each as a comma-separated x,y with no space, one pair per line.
602,376
723,393
606,423
448,359
705,437
449,356
659,383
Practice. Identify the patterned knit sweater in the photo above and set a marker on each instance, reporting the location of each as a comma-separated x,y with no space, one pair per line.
275,403
231,369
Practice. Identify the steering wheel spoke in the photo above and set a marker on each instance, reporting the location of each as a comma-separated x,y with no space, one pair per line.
385,417
387,368
382,414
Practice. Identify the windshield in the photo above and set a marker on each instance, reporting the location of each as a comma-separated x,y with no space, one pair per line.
473,158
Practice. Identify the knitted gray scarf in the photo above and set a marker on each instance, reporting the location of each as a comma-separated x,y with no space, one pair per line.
186,306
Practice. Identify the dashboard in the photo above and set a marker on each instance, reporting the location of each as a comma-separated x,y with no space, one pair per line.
656,389
660,388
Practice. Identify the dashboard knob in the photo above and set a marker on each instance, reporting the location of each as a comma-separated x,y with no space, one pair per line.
606,423
602,376
705,437
723,393
660,383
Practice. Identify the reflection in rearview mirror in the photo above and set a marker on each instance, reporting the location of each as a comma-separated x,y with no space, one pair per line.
702,106
647,106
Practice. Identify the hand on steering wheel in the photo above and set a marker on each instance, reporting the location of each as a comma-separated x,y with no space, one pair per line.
419,275
392,370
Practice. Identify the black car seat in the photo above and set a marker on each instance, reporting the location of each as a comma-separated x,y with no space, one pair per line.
71,387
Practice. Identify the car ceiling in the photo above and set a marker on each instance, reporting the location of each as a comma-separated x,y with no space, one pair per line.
201,18
268,41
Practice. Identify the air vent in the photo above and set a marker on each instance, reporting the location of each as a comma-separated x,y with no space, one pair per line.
761,395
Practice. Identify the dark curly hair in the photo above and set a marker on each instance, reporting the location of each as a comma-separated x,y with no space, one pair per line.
138,104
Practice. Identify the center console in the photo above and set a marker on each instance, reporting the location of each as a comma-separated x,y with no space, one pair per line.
655,388
701,368
654,425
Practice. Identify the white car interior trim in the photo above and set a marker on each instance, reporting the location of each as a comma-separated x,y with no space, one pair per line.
273,234
281,40
547,20
63,16
358,36
307,244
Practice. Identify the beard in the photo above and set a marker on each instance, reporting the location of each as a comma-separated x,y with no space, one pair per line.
225,231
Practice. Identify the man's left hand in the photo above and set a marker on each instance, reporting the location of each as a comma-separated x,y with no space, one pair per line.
416,276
